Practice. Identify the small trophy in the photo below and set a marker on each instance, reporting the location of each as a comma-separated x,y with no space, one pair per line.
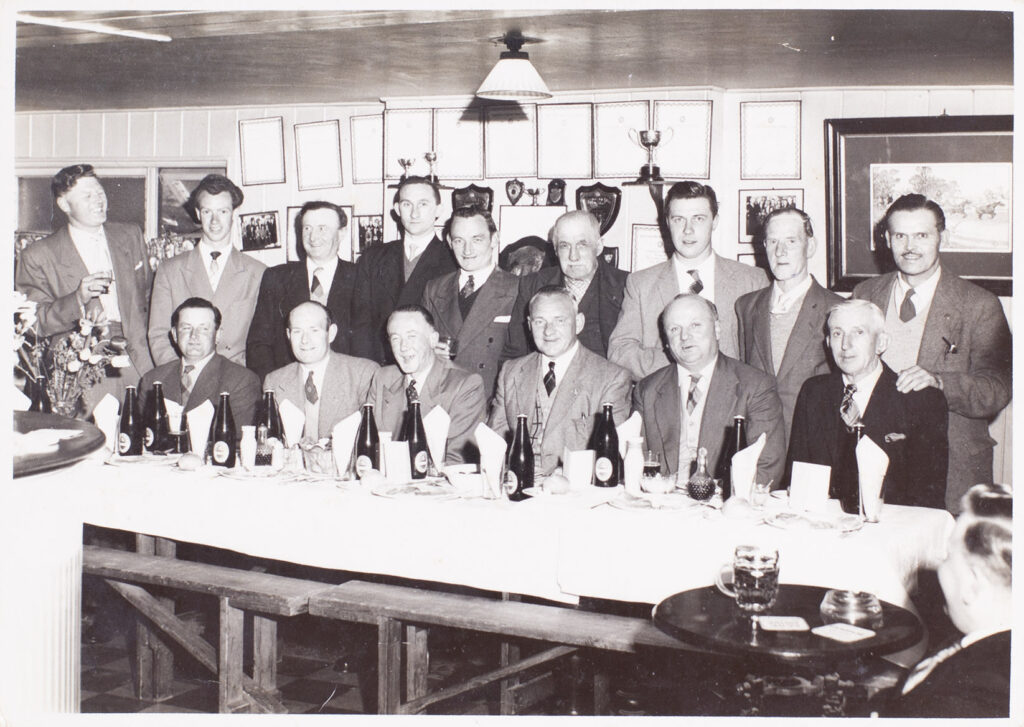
431,157
406,164
534,192
649,139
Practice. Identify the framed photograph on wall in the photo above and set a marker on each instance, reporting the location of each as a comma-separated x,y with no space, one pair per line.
756,204
261,142
318,155
259,231
369,232
962,163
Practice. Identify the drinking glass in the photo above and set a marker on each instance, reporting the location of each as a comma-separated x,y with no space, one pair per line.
453,345
755,578
652,463
759,495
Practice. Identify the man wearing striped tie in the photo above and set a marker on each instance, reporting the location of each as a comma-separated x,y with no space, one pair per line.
691,403
971,676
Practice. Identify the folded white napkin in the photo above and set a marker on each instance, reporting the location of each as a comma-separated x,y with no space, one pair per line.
20,402
385,439
629,429
436,424
808,486
105,414
396,459
174,412
343,441
578,468
199,426
744,468
492,456
872,464
293,419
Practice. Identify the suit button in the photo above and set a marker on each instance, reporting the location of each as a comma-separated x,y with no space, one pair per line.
490,340
480,366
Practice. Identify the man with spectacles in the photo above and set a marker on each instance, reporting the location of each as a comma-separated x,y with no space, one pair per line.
472,306
319,274
201,373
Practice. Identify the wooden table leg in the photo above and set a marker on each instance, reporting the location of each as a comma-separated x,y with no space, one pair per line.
154,658
264,653
509,655
389,665
417,662
230,689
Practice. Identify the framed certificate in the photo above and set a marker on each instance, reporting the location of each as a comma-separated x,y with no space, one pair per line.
685,148
367,149
261,143
565,137
510,140
318,155
648,247
770,140
515,223
615,154
408,134
459,143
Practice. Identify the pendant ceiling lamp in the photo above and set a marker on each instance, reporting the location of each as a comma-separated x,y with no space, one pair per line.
513,77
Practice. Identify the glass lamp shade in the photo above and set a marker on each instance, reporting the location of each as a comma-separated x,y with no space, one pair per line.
513,79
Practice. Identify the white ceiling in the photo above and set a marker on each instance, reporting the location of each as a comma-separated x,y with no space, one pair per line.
262,58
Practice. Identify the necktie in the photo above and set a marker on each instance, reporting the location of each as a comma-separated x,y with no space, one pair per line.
549,378
310,389
848,409
311,428
411,394
925,667
316,289
214,265
186,382
468,288
907,309
696,286
693,397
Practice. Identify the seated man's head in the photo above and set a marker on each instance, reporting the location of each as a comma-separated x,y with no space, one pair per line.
473,237
416,203
412,335
691,327
212,205
976,577
554,320
310,332
195,328
789,243
322,226
577,241
857,337
915,228
80,196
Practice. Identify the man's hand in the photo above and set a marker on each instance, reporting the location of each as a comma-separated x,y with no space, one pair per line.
93,285
916,378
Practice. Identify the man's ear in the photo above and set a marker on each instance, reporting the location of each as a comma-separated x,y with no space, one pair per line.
62,204
943,238
714,222
718,331
812,245
332,331
882,343
580,321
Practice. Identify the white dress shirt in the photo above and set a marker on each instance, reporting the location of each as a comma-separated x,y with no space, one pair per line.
414,246
562,362
95,254
479,277
784,300
690,434
205,249
865,387
706,271
923,292
325,276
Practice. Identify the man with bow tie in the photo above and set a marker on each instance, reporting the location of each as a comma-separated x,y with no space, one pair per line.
947,334
910,427
431,379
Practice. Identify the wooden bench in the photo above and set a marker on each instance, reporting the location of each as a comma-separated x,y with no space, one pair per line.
391,606
265,595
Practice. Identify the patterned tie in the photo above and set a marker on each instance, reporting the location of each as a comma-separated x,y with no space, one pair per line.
549,378
925,667
316,289
186,382
696,286
411,394
693,397
310,389
848,409
907,309
214,265
310,429
468,288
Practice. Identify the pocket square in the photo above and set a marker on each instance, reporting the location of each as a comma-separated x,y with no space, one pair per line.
138,264
502,319
895,436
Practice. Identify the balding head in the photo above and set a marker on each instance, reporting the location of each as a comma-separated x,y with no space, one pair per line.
576,238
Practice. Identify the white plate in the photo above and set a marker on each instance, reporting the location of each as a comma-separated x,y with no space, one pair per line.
424,489
797,521
116,460
541,492
674,501
263,473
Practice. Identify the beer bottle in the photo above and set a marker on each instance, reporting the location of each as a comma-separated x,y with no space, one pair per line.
701,486
605,443
416,436
848,476
519,464
367,443
269,415
156,419
129,431
35,389
222,443
737,442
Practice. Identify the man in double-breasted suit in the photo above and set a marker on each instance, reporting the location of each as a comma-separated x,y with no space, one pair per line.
318,275
214,270
562,387
327,386
691,214
434,380
782,327
910,427
691,403
946,333
92,267
473,305
596,285
202,374
396,273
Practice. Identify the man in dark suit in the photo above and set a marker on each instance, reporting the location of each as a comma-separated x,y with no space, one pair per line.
90,267
326,385
691,403
201,374
596,285
473,305
909,426
947,334
561,388
318,275
782,327
433,379
691,214
970,677
396,274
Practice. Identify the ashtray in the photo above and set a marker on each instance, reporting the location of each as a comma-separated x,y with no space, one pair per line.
859,608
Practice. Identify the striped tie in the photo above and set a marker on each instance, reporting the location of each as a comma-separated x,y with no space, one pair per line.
848,409
693,397
696,286
549,378
186,382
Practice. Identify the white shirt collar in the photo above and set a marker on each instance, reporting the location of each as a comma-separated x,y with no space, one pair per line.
865,387
199,366
976,636
562,361
415,245
319,370
79,236
923,292
479,277
421,377
705,374
783,301
327,271
705,269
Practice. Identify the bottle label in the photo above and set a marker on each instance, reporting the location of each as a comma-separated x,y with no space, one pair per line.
603,469
221,450
420,461
149,437
363,465
511,482
124,442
